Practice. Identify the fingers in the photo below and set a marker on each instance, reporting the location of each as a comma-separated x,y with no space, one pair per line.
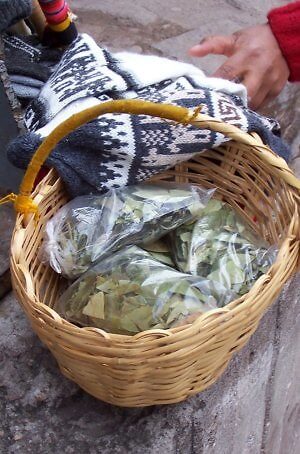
265,95
227,71
234,68
253,57
260,94
257,81
218,45
261,88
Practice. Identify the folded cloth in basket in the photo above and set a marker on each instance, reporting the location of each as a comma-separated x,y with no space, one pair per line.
29,64
118,149
11,11
26,56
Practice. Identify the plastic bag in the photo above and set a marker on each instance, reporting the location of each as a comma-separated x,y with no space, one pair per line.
222,247
131,291
160,250
91,227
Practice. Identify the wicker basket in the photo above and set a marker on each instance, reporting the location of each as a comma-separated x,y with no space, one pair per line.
160,367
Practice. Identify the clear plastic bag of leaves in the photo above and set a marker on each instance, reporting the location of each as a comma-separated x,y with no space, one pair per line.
131,291
90,227
222,247
160,250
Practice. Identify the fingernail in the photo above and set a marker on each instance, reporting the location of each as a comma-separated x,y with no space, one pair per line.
195,48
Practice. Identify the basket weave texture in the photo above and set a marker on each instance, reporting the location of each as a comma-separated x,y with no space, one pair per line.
164,366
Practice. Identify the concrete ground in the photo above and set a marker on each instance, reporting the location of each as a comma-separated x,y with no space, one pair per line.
254,407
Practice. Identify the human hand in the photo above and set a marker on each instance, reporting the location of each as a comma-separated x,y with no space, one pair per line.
254,59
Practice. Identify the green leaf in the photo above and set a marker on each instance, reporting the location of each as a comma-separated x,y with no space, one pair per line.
90,228
132,292
221,247
95,306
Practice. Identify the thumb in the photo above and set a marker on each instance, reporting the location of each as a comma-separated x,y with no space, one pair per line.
219,45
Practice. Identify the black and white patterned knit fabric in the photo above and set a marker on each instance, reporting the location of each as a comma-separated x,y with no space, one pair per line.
119,149
29,64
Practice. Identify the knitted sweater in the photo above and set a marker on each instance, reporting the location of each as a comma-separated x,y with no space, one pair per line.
285,24
11,11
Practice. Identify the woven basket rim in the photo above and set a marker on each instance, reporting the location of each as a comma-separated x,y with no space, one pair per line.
158,367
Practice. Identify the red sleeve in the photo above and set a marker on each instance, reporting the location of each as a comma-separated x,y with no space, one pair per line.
285,24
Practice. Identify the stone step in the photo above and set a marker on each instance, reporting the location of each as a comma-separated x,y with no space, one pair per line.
252,409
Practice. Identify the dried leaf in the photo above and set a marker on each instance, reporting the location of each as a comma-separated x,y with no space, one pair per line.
90,228
135,292
95,306
221,247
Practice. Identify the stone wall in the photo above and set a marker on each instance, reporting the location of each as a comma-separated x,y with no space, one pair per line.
252,409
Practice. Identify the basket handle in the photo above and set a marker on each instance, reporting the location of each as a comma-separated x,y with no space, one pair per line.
23,202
